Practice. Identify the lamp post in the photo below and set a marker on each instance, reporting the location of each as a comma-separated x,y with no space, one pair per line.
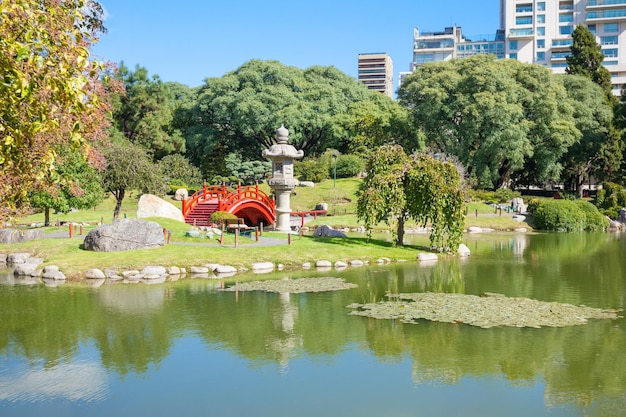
335,155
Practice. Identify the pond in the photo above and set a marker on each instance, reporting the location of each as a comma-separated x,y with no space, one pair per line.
188,348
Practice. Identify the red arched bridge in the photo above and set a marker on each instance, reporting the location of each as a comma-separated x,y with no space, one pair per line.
247,202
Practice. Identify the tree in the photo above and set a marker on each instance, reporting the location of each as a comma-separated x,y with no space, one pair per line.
52,93
129,167
499,118
79,186
593,117
247,172
241,111
586,60
419,186
145,113
177,170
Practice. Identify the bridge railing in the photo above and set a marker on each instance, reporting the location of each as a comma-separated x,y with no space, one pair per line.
211,192
247,192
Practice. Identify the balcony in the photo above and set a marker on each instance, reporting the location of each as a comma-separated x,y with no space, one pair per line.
610,15
521,33
604,3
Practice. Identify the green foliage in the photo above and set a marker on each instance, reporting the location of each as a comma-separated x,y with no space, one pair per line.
247,172
349,166
610,199
533,203
178,171
568,216
311,169
502,119
419,186
559,215
144,114
220,216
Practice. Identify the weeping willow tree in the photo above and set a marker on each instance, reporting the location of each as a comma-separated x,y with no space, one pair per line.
420,187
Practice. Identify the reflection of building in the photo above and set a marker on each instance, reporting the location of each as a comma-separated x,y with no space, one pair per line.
376,72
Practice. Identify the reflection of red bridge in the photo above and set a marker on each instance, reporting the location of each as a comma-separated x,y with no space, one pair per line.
246,202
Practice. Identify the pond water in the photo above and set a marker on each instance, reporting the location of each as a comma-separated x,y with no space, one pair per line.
187,348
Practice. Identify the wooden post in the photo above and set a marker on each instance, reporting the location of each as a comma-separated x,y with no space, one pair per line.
256,234
101,220
476,212
82,230
261,231
236,235
222,235
289,238
169,237
500,212
302,220
71,227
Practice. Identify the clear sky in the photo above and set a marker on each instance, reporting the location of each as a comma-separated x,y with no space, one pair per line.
189,40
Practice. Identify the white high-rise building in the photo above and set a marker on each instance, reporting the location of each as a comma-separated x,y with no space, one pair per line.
540,32
376,72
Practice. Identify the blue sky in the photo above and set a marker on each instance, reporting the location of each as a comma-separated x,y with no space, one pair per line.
189,40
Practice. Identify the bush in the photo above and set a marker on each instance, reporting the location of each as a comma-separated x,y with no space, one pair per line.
220,216
311,170
501,195
532,205
568,216
610,199
595,221
349,166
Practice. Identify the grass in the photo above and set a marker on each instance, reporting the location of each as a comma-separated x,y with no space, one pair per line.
187,251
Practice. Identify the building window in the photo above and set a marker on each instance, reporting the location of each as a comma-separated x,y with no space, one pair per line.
541,6
524,20
592,28
541,31
611,27
541,18
513,56
608,40
513,45
541,43
566,30
524,8
566,18
610,53
541,56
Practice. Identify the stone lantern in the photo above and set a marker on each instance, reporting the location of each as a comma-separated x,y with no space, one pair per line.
282,155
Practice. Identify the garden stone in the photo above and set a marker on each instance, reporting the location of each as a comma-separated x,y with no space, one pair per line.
322,264
55,275
24,269
341,264
622,215
427,257
153,206
3,258
262,266
306,265
173,270
212,267
474,229
181,194
123,235
518,205
225,269
193,233
14,235
154,270
111,273
519,218
94,274
130,273
17,258
327,231
463,250
321,206
36,261
521,230
356,262
198,269
307,184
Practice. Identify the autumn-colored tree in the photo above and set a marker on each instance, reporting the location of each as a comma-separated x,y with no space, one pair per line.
51,95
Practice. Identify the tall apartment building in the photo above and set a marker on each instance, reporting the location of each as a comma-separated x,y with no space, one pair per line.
451,43
376,72
540,32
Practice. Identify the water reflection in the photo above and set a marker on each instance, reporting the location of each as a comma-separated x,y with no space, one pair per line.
135,328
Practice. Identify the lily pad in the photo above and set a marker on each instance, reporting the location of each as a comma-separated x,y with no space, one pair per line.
300,285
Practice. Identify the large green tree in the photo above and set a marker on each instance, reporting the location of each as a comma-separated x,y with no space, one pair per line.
241,111
501,119
398,187
51,93
145,113
586,60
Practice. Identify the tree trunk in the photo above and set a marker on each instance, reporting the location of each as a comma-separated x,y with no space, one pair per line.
119,196
46,214
400,238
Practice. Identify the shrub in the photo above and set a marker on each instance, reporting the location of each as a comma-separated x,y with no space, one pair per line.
610,199
220,216
532,205
349,166
560,215
595,221
311,170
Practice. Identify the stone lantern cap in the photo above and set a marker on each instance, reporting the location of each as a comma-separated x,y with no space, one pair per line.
282,149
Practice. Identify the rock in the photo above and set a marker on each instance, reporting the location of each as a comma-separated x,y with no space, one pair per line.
622,215
111,273
322,264
280,267
327,231
154,270
55,275
181,194
193,233
321,206
474,229
306,184
340,264
153,206
521,230
262,266
463,250
125,234
17,258
356,262
173,270
212,267
24,269
16,236
427,257
306,265
225,269
518,205
198,270
94,274
3,258
36,261
130,273
519,217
